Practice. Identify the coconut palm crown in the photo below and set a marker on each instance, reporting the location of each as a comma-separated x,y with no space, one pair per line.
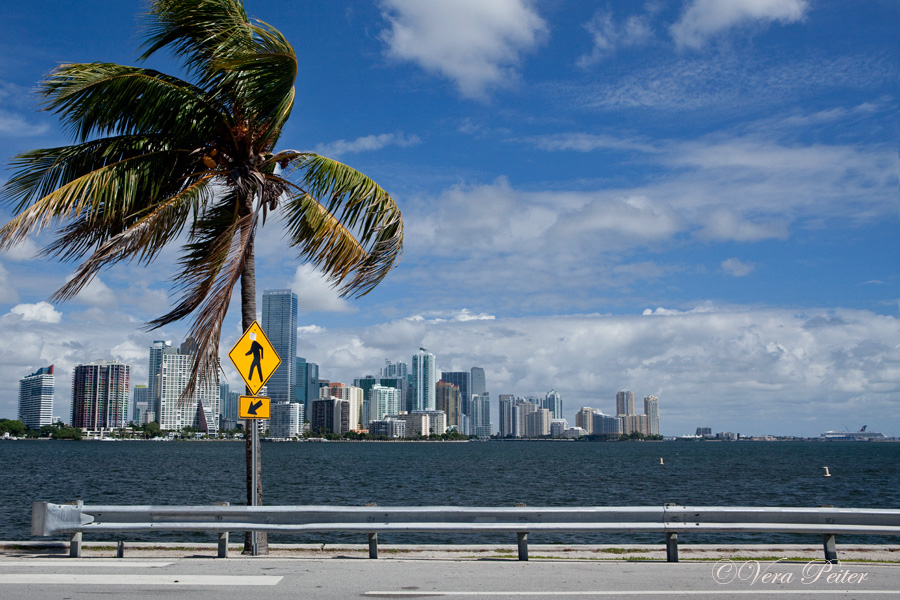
156,157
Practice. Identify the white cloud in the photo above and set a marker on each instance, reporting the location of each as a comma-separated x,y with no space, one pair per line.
96,294
607,36
42,312
703,19
27,250
7,291
737,267
586,142
476,44
740,368
315,294
367,144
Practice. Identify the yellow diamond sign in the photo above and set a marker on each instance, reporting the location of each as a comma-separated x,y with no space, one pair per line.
254,358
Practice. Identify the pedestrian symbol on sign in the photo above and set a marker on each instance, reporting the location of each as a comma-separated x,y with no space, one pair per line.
254,358
257,351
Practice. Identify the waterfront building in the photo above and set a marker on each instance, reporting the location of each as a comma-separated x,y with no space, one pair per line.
507,404
279,322
553,403
481,416
461,380
635,423
397,369
558,427
705,432
385,401
624,403
157,350
416,423
436,423
521,410
201,410
399,384
330,415
353,395
575,432
229,404
651,409
285,420
584,418
423,380
537,423
100,394
36,398
447,399
307,387
366,384
140,402
389,427
606,425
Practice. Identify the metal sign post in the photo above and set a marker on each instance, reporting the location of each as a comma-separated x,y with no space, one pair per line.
253,354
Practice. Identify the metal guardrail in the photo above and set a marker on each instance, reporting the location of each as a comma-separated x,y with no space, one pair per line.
52,519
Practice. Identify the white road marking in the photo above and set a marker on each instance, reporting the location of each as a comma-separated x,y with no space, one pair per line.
79,564
721,592
138,580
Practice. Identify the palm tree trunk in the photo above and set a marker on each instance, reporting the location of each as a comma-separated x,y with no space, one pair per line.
248,315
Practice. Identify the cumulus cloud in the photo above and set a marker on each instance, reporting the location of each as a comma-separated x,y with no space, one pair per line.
607,35
367,143
96,294
42,312
703,19
315,294
738,368
737,267
7,291
476,44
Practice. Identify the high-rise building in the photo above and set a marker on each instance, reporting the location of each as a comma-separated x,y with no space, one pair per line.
447,399
307,387
279,322
353,395
477,381
521,410
635,424
624,403
140,402
481,415
553,403
584,418
507,414
100,394
461,380
157,350
389,427
330,415
423,380
36,398
651,409
366,384
606,425
201,410
397,369
285,420
537,423
385,402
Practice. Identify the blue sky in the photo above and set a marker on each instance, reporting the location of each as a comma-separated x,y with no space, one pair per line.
693,199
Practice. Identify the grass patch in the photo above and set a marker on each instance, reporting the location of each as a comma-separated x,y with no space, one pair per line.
623,550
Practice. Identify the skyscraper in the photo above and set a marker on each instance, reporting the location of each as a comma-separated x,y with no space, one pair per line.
100,394
461,380
279,322
307,386
424,378
553,403
481,415
36,398
169,375
447,399
385,401
651,409
507,414
140,402
624,403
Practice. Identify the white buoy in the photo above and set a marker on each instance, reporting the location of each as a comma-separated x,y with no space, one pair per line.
661,460
827,474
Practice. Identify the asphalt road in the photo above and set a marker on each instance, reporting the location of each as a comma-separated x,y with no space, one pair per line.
260,578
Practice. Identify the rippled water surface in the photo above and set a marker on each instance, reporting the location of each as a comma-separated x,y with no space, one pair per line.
456,474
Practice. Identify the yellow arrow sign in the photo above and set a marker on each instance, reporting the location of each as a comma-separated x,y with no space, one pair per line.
255,358
254,407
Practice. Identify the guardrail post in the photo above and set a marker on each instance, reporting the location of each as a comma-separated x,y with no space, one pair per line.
523,545
373,545
672,546
830,548
75,541
120,549
223,537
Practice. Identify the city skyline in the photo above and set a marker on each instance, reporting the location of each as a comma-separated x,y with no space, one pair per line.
671,198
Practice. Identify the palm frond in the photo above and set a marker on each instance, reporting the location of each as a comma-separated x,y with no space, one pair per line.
338,204
141,241
98,99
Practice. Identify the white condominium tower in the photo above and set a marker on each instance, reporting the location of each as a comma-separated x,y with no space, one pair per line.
36,398
170,372
423,380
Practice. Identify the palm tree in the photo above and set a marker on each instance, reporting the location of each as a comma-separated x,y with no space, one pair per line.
155,157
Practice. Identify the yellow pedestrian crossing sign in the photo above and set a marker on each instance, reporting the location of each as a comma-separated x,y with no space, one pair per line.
254,407
254,358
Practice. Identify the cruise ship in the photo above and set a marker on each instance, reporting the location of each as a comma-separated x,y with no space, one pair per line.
852,436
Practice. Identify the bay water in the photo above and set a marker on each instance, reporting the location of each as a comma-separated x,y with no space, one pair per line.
536,473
